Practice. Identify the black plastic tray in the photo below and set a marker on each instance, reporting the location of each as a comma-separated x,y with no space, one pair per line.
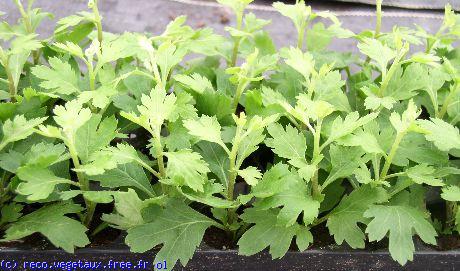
229,260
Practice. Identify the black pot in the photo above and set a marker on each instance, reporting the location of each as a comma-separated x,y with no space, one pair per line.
118,257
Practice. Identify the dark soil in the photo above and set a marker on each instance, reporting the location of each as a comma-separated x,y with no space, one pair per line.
218,239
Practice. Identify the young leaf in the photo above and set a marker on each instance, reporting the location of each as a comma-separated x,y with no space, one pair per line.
346,126
238,6
10,213
207,129
424,174
95,135
178,227
401,222
63,232
38,182
295,199
195,82
155,109
59,78
451,193
128,208
266,233
187,168
443,135
344,162
251,175
298,13
126,175
378,52
17,129
71,117
343,220
289,143
406,121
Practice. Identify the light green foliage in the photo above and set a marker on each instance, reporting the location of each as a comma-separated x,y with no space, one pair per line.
401,222
251,175
187,168
38,182
59,78
238,6
293,196
343,220
128,208
18,128
10,213
50,221
443,135
188,133
266,233
378,52
126,175
206,128
289,143
178,227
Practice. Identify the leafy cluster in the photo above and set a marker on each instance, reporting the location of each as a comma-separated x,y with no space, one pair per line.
262,144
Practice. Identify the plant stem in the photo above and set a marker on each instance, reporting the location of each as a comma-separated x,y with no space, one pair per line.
320,220
159,155
28,25
11,84
84,183
387,77
447,101
232,173
100,228
4,60
399,186
159,152
389,159
3,180
316,189
236,46
239,91
451,211
98,21
378,23
300,38
92,79
376,166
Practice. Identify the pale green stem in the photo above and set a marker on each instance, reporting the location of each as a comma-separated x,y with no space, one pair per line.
378,23
232,174
389,75
451,211
301,37
239,91
159,151
376,166
11,85
316,188
84,183
236,46
98,21
28,26
447,100
391,155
